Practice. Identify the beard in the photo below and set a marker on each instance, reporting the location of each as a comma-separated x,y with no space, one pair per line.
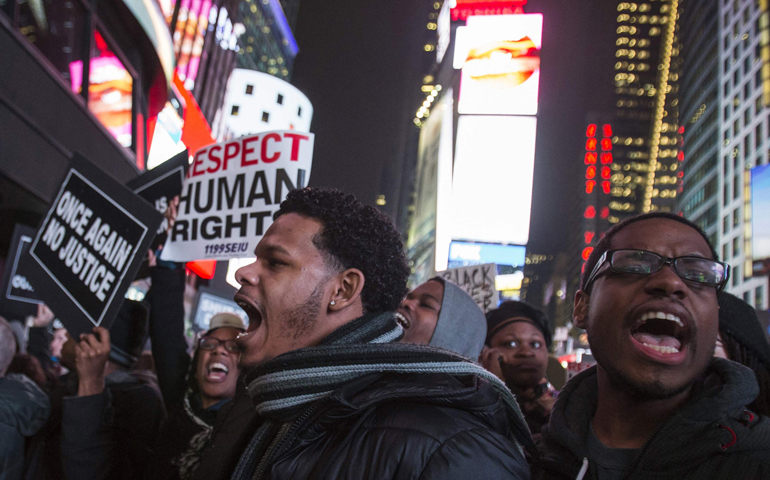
654,389
303,317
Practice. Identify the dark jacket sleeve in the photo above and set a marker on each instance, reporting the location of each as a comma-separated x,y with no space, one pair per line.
169,348
476,454
86,443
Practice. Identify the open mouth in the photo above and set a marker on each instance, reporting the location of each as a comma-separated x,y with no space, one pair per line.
402,320
254,314
662,332
217,371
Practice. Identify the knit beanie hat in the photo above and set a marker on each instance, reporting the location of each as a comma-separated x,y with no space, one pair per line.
498,318
128,333
461,326
740,321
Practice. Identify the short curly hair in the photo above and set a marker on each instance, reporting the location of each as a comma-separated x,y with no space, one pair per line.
359,236
606,240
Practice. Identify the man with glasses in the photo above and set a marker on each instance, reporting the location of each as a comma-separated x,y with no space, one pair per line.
657,405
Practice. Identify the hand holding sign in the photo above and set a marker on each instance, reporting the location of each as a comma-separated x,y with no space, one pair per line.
91,355
44,316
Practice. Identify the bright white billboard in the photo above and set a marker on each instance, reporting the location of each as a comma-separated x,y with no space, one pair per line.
493,171
500,60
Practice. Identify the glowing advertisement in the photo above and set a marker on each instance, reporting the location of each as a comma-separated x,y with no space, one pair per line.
462,254
500,60
760,219
493,172
429,237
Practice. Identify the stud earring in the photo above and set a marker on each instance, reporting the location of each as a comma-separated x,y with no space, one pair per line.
332,303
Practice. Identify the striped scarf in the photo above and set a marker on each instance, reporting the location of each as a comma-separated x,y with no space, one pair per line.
286,389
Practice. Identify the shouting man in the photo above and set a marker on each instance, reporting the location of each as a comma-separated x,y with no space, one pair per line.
336,396
657,405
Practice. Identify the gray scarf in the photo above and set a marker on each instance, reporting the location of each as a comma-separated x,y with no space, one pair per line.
361,347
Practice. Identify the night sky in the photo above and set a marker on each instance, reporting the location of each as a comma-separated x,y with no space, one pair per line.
358,64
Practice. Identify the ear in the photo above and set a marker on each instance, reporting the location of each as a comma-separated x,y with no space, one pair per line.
347,289
580,310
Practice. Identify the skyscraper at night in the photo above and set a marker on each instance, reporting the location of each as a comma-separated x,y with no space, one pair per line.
646,141
725,115
267,43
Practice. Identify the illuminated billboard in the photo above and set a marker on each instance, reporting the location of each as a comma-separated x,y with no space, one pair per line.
462,9
493,171
462,254
500,60
760,219
429,234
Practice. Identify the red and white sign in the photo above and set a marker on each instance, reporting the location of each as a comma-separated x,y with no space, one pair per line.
231,192
465,8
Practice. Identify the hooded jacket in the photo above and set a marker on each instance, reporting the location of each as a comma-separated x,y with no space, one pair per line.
461,325
713,436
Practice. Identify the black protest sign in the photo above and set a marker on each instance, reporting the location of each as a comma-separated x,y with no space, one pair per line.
159,185
18,293
89,247
208,304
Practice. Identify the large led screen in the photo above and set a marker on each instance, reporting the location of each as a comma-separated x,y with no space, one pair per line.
492,187
500,60
760,218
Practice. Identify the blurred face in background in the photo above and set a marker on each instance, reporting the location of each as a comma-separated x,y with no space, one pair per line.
217,368
419,312
59,338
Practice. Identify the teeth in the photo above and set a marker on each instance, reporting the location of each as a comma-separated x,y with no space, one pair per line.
662,349
402,320
219,366
662,316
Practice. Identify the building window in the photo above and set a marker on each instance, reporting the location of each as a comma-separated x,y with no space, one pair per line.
725,165
747,144
736,274
265,117
746,65
736,77
725,224
736,185
736,246
759,298
299,111
758,135
736,217
758,103
747,297
279,100
747,90
726,87
726,194
758,79
747,116
234,110
249,89
725,252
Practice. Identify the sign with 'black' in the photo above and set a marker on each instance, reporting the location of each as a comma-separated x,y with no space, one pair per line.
18,293
89,247
159,185
478,281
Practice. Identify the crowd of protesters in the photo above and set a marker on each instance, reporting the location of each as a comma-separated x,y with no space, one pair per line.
341,373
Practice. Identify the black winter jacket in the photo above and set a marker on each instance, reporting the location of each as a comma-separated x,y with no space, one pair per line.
398,426
713,436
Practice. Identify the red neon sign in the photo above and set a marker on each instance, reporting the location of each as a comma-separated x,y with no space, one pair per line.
590,212
587,252
606,144
466,8
588,237
590,184
591,144
606,130
590,172
590,158
605,212
606,158
606,187
680,155
606,173
591,130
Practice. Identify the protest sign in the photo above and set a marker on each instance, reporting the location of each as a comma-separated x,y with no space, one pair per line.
159,185
232,191
209,304
89,247
19,296
478,281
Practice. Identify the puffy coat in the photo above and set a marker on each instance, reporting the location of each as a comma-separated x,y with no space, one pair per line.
399,426
24,409
713,436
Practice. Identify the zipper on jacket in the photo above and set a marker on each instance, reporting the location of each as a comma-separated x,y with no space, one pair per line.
583,470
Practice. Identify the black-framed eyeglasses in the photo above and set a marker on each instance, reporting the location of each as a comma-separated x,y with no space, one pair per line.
700,270
210,344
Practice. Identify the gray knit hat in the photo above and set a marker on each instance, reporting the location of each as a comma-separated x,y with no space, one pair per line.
461,325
